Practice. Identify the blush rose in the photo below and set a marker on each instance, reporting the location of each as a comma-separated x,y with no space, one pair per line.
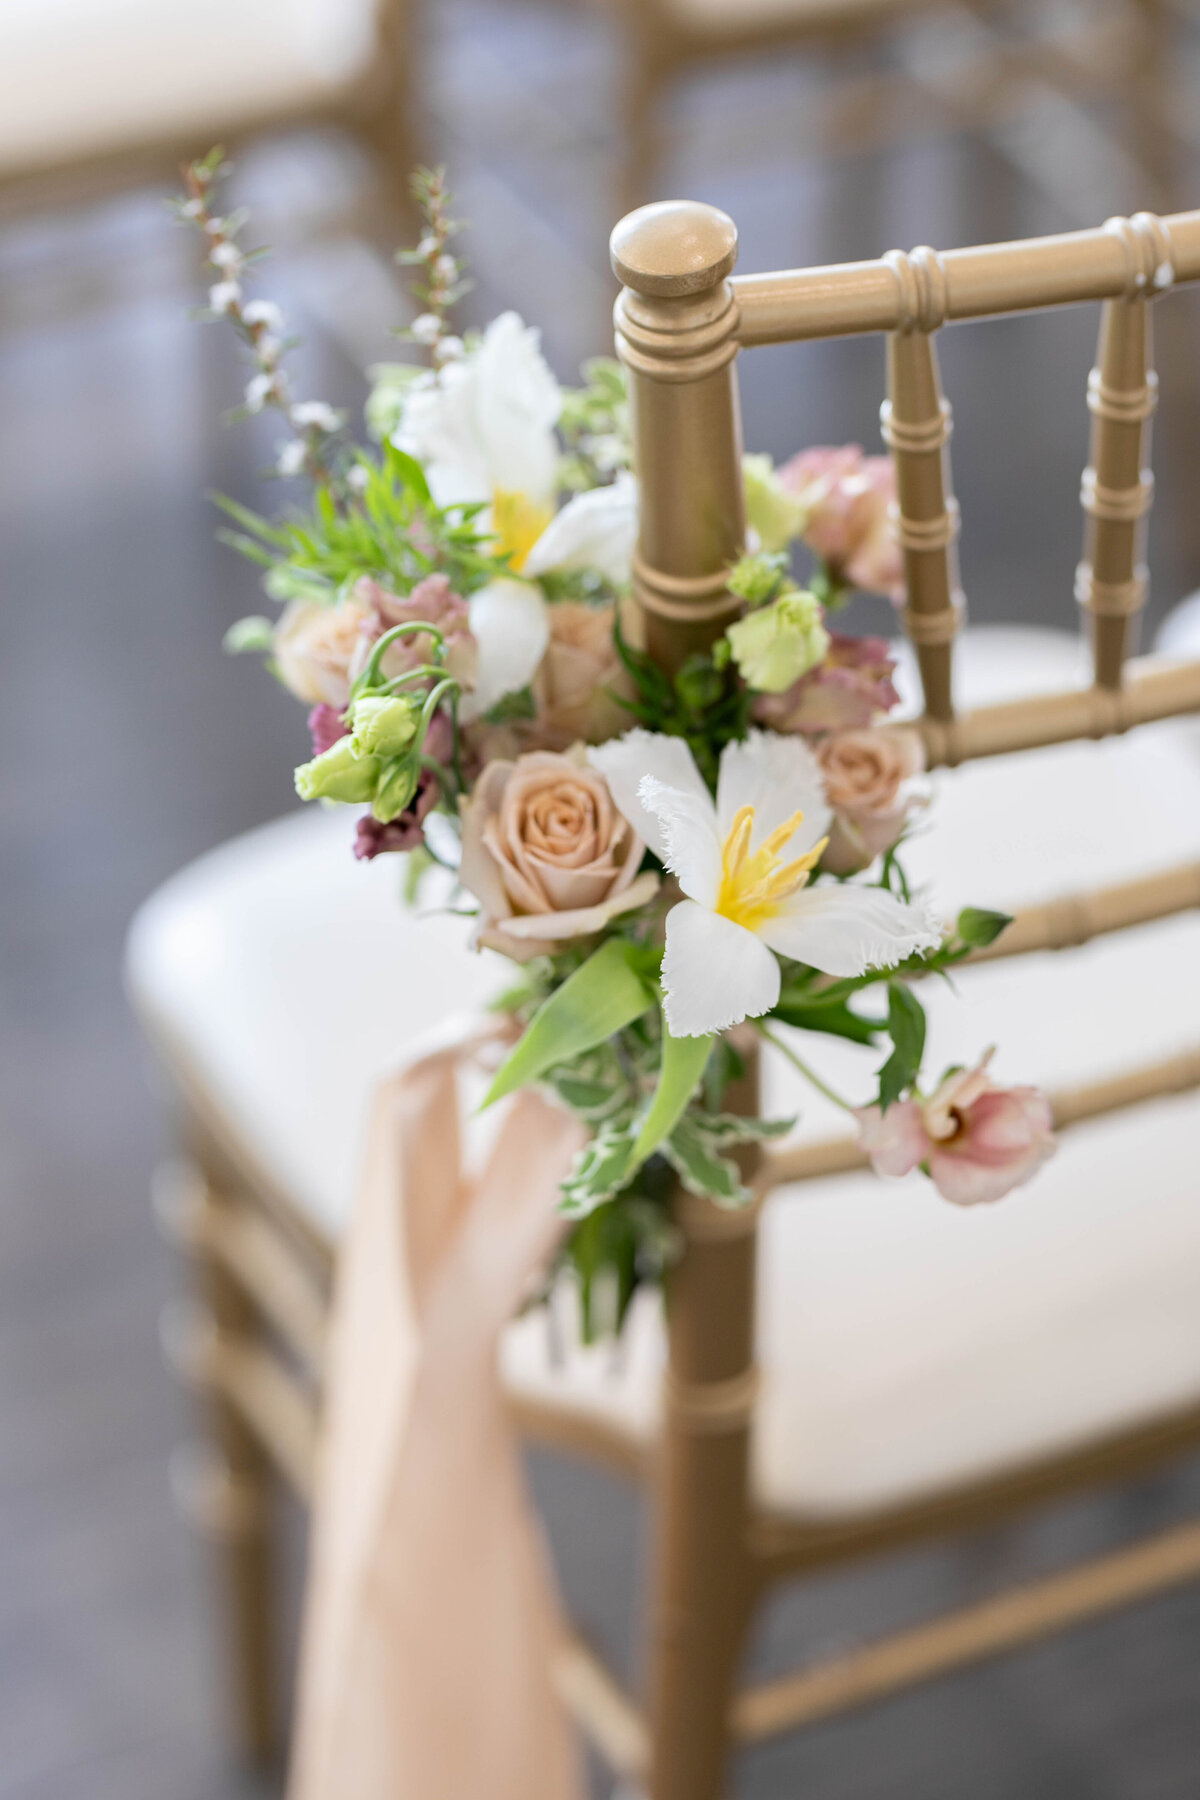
866,782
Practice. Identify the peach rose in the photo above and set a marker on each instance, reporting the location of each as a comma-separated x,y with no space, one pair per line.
547,854
569,689
978,1141
314,647
865,776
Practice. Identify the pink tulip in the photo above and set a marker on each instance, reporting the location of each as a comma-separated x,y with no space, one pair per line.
847,499
977,1141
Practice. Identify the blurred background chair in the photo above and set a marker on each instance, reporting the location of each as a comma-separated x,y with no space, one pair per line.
104,94
922,1372
981,65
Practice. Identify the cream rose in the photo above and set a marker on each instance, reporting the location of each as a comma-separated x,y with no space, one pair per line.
866,773
547,854
314,647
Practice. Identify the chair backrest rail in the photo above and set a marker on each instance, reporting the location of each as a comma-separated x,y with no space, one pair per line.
1070,1106
1124,258
1075,919
1153,690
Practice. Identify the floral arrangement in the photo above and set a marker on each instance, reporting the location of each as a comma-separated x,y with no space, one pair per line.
671,861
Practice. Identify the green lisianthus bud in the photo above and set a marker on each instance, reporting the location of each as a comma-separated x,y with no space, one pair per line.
777,644
383,725
396,786
775,514
756,578
338,774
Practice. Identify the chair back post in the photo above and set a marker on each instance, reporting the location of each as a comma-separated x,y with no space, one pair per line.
916,425
1112,582
676,322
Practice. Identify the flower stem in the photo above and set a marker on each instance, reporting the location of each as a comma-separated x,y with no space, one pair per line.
801,1066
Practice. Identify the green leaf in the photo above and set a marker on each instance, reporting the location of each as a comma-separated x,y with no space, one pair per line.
682,1067
408,471
254,633
906,1024
837,1019
733,1128
978,927
599,1171
594,1003
700,1168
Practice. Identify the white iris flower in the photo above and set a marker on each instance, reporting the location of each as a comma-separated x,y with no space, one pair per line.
595,530
745,864
483,431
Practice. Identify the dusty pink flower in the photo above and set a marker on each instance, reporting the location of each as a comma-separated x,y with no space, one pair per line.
405,832
978,1141
432,599
867,774
847,691
326,726
547,854
846,497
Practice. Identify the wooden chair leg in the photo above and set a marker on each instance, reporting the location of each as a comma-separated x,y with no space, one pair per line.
700,1610
703,1590
227,1490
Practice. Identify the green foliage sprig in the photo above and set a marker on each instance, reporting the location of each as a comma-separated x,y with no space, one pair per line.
387,527
706,706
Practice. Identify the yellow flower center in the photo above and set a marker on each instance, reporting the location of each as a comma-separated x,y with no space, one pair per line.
754,887
517,524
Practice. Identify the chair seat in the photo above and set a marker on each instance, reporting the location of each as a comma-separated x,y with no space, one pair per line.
904,1343
87,77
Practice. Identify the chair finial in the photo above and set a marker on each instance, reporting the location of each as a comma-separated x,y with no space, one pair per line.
673,248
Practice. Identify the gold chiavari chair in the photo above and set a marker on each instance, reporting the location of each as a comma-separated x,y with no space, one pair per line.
98,95
848,1367
1118,52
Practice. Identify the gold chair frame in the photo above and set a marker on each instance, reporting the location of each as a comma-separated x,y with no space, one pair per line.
373,106
256,1349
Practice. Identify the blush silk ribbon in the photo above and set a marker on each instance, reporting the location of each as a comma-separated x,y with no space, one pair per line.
431,1617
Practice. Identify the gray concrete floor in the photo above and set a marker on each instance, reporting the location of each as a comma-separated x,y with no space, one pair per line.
129,744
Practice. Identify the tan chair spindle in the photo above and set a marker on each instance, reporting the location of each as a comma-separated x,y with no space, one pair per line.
916,423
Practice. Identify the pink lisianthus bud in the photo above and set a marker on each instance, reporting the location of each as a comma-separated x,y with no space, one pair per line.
325,725
405,832
846,498
433,600
977,1140
844,693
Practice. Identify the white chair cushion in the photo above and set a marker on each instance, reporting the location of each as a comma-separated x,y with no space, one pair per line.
82,77
904,1342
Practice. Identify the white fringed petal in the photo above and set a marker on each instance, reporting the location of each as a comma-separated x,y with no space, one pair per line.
714,972
625,760
688,827
844,930
509,623
776,775
596,530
